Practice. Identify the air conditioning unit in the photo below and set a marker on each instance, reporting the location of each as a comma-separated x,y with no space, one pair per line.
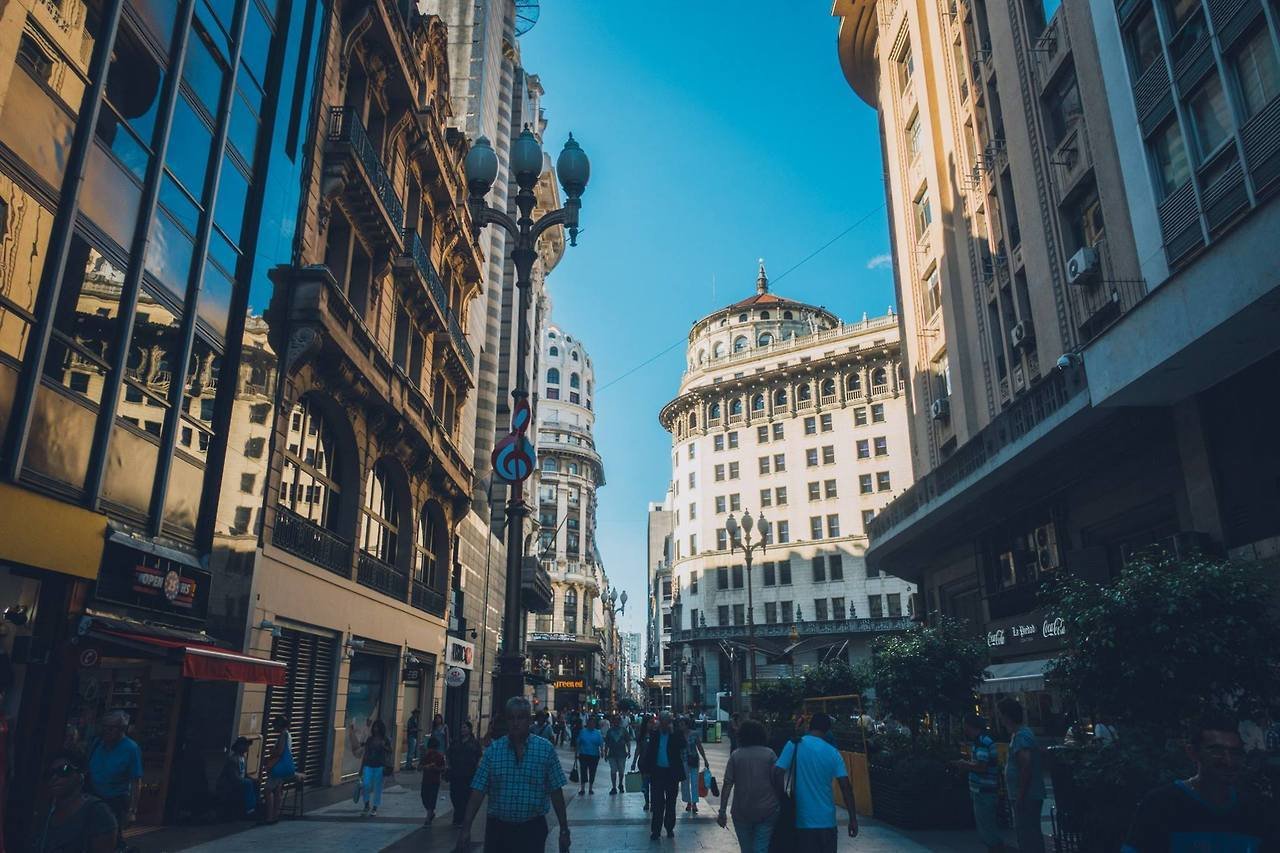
1083,266
940,408
1046,542
1020,334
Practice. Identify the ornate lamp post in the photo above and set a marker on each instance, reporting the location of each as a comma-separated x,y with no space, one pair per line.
513,457
740,539
616,605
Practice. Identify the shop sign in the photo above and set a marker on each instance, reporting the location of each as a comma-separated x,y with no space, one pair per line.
552,637
89,658
455,676
411,675
459,653
150,582
570,684
1029,633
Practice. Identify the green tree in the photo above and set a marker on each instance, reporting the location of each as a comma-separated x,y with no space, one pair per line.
1168,639
835,678
778,699
929,670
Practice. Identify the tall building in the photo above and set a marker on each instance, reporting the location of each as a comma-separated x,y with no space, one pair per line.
573,639
659,525
788,413
1068,187
631,644
136,233
367,483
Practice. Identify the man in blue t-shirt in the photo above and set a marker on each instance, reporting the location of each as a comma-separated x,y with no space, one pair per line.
983,767
1205,812
115,770
1024,777
818,764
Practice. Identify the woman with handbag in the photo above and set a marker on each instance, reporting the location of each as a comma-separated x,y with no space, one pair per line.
693,774
748,781
590,742
648,725
374,754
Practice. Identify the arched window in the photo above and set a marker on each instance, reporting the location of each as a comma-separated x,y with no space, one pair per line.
878,376
693,420
780,397
742,318
717,351
572,468
575,381
554,351
740,343
549,465
786,315
735,407
853,382
574,355
804,392
828,387
765,339
757,403
702,356
553,376
310,485
551,335
714,411
431,550
764,315
380,524
571,611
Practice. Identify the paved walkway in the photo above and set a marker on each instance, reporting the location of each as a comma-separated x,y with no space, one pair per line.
599,822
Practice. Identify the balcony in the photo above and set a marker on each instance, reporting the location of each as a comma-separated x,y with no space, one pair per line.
426,599
535,586
365,187
313,543
385,578
428,298
782,631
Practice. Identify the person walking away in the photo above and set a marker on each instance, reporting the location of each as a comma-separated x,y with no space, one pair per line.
663,760
77,822
817,765
693,749
1024,777
617,748
115,771
542,728
984,780
412,728
278,766
732,731
1208,811
575,728
433,765
559,728
373,755
590,743
462,759
647,727
748,783
440,732
523,779
237,795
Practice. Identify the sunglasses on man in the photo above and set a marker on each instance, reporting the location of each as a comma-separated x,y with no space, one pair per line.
64,770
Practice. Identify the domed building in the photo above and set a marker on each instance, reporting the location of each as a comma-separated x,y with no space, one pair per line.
790,424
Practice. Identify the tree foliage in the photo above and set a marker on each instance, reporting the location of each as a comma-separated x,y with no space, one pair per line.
928,670
836,678
780,698
1168,639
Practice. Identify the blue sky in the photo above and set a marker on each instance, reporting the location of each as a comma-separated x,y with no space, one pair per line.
714,139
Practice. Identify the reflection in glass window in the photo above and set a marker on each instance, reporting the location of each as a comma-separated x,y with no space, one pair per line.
309,486
1169,154
1257,72
1210,116
380,521
85,322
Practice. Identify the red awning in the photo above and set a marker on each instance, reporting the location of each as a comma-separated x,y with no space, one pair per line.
204,661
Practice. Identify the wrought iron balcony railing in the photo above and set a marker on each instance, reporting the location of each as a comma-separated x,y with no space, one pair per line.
460,341
311,542
345,126
802,629
385,578
427,599
422,260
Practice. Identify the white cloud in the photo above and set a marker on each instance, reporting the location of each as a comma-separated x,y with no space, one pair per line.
878,262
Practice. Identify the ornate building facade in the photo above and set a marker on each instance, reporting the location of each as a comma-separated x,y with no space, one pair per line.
788,413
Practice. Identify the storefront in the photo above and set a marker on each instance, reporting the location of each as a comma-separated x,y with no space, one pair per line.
459,663
1021,649
373,680
417,682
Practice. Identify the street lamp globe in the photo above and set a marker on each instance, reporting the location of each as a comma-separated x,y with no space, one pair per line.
731,525
623,599
526,158
747,521
573,167
481,166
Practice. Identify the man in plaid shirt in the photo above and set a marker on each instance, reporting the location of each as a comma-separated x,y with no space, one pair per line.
523,778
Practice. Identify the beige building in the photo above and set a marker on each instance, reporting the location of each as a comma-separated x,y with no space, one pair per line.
790,414
1071,189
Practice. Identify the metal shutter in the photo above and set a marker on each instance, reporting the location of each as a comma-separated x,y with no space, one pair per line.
306,701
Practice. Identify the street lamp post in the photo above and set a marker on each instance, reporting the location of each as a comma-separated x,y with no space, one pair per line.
617,605
481,167
740,539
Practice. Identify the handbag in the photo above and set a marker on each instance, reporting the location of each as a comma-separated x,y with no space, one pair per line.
711,782
702,784
785,838
573,774
633,783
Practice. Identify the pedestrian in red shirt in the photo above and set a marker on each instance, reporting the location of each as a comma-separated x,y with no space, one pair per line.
432,765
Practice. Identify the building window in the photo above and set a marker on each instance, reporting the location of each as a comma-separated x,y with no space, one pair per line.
932,294
815,491
1169,157
780,498
1062,108
875,606
553,376
309,485
819,569
722,577
733,440
779,462
574,398
833,525
693,544
784,533
380,524
693,581
693,479
882,481
553,393
877,413
815,527
829,489
864,484
771,612
722,615
692,449
720,505
1210,117
810,425
895,604
762,433
829,455
717,443
764,464
735,502
824,422
811,457
872,572
835,567
784,573
787,617
923,215
693,511
820,609
913,135
864,448
736,573
247,482
693,618
739,614
882,445
740,343
733,470
777,432
766,497
867,515
906,68
770,574
837,608
722,539
718,473
860,416
1256,71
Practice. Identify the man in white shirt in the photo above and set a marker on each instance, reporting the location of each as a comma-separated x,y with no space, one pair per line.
818,765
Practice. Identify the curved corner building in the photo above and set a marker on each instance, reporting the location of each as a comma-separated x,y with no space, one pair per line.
787,411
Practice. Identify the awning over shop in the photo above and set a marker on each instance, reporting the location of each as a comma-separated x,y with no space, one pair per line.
208,662
1014,677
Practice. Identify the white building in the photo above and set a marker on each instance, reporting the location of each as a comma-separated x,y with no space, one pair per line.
575,638
657,665
786,412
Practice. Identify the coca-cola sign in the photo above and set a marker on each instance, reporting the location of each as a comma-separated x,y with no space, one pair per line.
1028,633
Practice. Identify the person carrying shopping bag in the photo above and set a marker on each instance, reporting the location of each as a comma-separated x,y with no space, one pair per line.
590,743
693,767
374,754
